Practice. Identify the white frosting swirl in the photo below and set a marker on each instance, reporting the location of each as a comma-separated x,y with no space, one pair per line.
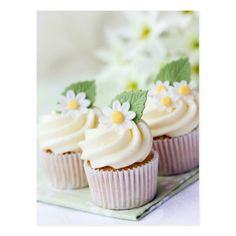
61,133
107,147
182,120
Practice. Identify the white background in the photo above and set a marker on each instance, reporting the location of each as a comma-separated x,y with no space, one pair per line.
18,116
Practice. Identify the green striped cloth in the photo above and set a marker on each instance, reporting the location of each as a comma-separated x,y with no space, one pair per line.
81,199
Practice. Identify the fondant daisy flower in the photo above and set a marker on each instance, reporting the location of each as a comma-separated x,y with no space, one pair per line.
158,87
184,90
118,117
166,100
73,104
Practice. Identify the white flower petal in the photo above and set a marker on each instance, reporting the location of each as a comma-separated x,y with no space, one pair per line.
103,119
125,107
183,82
176,84
193,85
80,96
70,95
62,100
151,94
130,115
107,111
153,86
171,92
167,83
163,93
116,106
85,103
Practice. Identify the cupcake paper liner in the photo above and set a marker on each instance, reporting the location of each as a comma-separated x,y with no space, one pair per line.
123,189
178,155
65,171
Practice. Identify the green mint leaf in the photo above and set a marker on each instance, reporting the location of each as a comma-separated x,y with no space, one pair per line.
175,71
88,87
137,100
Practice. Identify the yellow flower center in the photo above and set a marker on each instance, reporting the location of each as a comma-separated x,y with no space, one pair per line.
195,69
117,117
166,101
160,88
194,43
132,85
72,104
145,32
187,12
184,90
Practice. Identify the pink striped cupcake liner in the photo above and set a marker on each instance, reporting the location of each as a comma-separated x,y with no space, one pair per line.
123,189
178,155
65,171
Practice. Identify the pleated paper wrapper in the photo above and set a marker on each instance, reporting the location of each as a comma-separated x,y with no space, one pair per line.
123,189
178,155
65,171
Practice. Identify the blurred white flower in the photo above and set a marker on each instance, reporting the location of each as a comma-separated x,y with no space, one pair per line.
180,20
136,52
143,26
116,53
183,38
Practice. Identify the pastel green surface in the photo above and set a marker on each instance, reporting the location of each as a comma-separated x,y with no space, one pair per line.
81,199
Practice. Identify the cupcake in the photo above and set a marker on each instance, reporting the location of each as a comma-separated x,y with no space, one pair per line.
60,131
172,115
119,163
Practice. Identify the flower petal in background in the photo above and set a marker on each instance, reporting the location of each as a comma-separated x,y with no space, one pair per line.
137,51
